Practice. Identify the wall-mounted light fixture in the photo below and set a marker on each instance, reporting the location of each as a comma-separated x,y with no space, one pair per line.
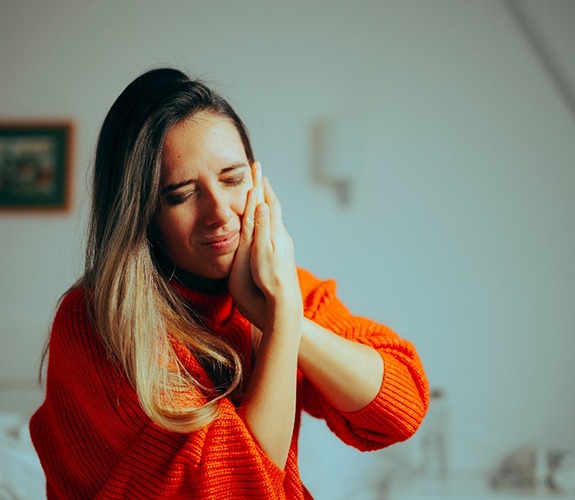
338,154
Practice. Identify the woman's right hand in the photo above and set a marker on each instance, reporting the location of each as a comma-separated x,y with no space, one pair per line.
264,275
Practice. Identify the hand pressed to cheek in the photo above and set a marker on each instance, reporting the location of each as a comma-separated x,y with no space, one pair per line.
246,294
264,267
272,259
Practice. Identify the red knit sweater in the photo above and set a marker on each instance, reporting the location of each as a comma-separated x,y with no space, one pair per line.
94,440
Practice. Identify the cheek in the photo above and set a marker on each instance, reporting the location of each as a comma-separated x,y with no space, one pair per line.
239,203
175,229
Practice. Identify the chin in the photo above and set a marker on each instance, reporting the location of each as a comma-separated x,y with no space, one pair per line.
218,271
216,275
214,269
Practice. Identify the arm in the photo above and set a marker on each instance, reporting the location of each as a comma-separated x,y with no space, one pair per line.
265,287
347,373
268,407
391,397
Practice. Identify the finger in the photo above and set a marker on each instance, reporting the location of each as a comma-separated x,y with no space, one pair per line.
258,184
276,220
262,227
241,273
248,218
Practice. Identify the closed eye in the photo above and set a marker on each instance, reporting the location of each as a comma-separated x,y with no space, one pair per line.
234,181
179,198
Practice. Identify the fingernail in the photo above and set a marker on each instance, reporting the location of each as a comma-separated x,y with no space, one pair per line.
262,209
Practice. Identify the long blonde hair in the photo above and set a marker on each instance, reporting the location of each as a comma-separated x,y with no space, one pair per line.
134,309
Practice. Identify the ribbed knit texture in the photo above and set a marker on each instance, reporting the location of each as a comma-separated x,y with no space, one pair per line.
94,440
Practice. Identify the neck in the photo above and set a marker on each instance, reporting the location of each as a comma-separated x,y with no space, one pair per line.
200,284
192,281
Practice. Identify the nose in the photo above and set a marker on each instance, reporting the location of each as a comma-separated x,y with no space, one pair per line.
216,208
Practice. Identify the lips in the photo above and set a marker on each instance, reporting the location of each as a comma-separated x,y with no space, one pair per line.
221,242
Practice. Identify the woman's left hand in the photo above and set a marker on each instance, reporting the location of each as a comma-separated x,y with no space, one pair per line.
247,296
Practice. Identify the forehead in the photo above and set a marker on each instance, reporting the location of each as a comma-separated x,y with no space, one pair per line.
203,141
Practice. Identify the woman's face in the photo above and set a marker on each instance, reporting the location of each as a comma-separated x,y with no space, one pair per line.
204,184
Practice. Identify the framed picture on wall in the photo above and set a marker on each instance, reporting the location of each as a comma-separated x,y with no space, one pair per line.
35,163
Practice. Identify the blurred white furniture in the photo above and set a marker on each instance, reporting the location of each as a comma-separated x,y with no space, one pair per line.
21,476
464,487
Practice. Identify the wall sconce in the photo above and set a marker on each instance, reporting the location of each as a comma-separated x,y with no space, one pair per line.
338,153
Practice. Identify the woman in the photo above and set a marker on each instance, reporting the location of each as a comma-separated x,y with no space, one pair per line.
180,363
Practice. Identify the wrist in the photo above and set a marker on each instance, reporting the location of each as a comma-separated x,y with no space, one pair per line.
284,315
285,305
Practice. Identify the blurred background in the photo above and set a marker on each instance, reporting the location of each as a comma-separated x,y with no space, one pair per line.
458,224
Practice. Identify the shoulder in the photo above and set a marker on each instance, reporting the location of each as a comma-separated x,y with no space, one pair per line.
75,297
72,321
315,291
308,282
72,305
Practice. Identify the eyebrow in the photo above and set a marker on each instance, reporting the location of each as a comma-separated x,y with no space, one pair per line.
173,187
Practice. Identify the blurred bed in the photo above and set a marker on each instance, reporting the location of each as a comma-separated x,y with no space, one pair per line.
21,476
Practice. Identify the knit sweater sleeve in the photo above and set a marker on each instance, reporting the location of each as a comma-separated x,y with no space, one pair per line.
399,407
95,441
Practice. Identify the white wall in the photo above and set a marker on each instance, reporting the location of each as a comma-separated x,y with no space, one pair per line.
461,233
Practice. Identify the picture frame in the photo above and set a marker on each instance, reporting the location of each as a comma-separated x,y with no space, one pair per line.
35,165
